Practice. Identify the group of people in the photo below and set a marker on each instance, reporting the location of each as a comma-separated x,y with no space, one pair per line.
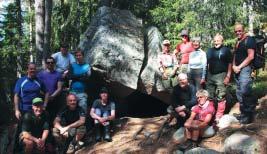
47,116
188,71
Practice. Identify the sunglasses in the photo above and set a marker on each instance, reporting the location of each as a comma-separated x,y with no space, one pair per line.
49,62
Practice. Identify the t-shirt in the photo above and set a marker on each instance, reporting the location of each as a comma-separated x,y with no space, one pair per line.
108,107
50,80
241,52
185,49
184,96
28,89
218,59
79,71
63,62
68,116
35,125
202,112
167,60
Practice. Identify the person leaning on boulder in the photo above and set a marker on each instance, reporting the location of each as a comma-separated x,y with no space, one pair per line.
168,66
103,112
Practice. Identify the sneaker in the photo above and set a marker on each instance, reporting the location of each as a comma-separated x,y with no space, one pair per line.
71,149
79,145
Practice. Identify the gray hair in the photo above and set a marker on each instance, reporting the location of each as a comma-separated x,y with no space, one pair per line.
202,92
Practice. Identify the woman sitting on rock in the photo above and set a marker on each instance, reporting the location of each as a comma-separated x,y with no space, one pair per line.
199,121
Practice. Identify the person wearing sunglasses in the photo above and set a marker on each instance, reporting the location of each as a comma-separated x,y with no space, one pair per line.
183,50
53,82
243,55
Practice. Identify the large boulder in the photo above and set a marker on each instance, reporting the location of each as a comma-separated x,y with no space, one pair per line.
150,78
241,143
200,150
114,46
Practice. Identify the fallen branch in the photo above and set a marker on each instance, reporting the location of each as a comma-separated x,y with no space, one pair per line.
138,132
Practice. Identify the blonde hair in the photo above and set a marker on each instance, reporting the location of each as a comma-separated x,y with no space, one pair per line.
202,92
219,36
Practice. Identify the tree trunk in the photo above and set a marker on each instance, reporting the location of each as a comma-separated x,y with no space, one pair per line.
19,45
31,30
47,28
78,32
39,32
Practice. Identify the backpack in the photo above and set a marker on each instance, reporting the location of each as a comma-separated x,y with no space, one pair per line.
259,55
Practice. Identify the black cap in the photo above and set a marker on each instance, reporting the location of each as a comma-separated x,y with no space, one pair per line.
103,90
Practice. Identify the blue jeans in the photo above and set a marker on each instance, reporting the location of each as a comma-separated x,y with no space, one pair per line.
101,114
244,90
82,100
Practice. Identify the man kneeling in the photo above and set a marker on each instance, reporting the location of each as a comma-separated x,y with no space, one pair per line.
70,123
35,128
199,121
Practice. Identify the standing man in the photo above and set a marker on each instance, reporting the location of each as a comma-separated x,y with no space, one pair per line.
52,80
103,111
243,56
79,74
183,50
63,59
70,123
168,66
183,98
27,88
35,128
219,60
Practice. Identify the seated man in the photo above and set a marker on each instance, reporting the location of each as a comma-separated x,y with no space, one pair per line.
103,111
183,99
199,121
35,128
70,123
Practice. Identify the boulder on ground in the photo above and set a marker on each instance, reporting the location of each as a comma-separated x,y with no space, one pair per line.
200,150
226,121
241,143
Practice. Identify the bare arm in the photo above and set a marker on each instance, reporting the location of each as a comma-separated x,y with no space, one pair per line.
93,115
57,123
45,135
78,123
58,90
16,106
46,99
249,58
112,116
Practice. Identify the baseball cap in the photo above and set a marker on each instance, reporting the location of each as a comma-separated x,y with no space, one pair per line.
37,101
166,42
103,90
184,32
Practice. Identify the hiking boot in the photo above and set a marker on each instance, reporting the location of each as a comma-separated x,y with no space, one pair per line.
98,137
107,133
71,149
246,120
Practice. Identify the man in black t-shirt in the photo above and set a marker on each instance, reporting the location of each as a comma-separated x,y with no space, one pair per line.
103,111
70,123
243,56
35,128
219,59
183,99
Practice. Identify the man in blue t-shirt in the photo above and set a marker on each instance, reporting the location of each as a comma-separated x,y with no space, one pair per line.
79,73
27,88
243,56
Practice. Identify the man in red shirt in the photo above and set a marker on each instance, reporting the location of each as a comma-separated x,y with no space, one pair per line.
199,121
183,50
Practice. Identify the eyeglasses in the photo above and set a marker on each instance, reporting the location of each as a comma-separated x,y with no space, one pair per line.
49,62
238,31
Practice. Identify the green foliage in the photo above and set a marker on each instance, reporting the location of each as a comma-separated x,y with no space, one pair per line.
202,18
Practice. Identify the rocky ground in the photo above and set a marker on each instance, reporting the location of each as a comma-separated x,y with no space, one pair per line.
150,135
